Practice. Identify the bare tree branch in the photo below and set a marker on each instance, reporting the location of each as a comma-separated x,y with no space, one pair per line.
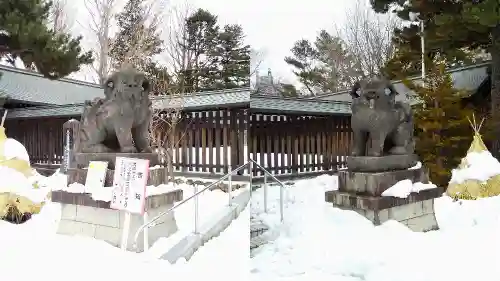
368,36
176,36
58,18
101,14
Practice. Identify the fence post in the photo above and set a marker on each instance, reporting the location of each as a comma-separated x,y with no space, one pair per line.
71,142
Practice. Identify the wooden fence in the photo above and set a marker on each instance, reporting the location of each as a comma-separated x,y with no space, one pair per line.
214,141
295,144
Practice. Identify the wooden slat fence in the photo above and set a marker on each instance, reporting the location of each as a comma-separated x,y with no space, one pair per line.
211,141
208,141
287,144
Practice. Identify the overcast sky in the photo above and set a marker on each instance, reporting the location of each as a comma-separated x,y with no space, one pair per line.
272,26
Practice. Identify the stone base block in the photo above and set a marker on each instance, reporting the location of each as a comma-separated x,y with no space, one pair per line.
381,164
156,176
85,199
107,224
416,211
375,184
82,159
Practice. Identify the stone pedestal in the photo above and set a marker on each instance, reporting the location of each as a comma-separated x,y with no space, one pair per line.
361,192
81,215
156,176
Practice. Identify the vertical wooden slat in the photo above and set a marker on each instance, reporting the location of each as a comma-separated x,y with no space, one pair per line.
218,141
210,140
225,141
241,138
276,144
204,157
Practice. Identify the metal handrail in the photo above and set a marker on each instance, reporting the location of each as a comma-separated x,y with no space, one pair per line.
197,193
282,187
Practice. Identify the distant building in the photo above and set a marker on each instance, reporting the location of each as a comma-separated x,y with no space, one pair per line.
266,85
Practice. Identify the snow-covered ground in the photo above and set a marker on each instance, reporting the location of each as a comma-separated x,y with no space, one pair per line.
319,242
33,250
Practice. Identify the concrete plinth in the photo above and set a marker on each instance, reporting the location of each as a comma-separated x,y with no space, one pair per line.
416,211
375,184
81,215
361,192
156,176
83,159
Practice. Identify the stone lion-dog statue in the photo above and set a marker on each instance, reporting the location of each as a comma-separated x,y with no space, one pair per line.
119,122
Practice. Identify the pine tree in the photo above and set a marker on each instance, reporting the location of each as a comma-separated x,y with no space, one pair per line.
136,42
443,132
324,66
230,59
54,54
202,32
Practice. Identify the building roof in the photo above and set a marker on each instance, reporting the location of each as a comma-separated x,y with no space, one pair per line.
264,103
66,97
192,102
466,78
30,87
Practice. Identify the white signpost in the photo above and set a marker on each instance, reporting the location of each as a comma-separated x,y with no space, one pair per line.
96,174
129,190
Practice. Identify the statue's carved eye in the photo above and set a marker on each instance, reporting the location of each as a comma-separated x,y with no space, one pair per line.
387,91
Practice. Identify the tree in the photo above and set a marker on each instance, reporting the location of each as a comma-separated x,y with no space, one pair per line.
52,53
304,60
289,91
368,37
325,66
452,27
136,42
101,15
201,35
59,18
229,60
443,132
181,59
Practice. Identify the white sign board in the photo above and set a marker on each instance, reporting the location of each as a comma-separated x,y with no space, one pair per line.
129,184
96,174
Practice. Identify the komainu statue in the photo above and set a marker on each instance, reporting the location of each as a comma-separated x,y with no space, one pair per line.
381,126
120,121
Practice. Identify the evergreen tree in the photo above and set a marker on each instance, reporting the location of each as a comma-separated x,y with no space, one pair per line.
54,54
442,130
136,42
452,27
303,60
229,60
289,91
201,33
325,66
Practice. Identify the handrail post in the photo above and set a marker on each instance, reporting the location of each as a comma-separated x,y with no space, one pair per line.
281,202
265,192
196,210
250,171
230,186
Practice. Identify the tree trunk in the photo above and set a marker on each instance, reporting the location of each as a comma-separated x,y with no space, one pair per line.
495,90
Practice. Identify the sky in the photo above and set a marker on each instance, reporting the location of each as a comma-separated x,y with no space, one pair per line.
271,26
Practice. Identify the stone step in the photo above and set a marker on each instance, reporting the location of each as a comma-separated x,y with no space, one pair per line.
257,242
257,229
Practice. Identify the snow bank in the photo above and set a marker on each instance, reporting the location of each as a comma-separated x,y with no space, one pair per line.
326,243
481,166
